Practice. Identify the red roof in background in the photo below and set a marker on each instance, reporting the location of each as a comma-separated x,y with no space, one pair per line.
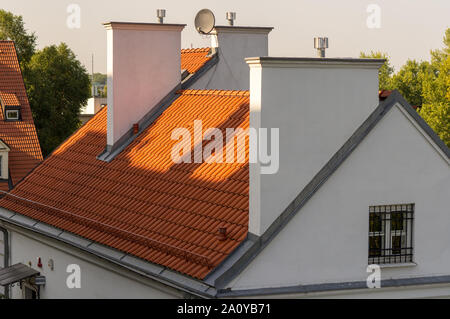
9,99
142,203
384,94
20,136
193,59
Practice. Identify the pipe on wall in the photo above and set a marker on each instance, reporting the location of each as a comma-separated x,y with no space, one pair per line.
6,254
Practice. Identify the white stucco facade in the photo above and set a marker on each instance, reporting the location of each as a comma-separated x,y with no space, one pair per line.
317,105
99,278
327,241
233,45
4,160
143,67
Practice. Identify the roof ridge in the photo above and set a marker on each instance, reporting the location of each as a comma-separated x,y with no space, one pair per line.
238,93
194,50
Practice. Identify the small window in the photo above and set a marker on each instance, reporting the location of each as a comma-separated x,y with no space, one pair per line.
390,234
12,115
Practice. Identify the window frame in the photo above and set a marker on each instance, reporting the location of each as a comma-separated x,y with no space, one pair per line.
9,109
389,234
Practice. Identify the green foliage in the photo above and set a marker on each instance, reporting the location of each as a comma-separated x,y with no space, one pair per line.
423,84
12,28
58,85
386,70
410,79
99,78
436,92
436,109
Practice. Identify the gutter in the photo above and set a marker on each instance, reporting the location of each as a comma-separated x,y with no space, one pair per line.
190,287
334,287
6,255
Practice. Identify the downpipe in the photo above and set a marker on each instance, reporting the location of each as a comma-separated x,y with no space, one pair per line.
6,254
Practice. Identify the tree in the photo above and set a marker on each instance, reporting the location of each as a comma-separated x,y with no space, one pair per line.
386,70
55,80
58,86
423,84
410,79
12,28
436,93
99,78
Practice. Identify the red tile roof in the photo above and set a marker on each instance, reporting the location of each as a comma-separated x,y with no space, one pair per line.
142,203
9,99
384,94
193,59
20,136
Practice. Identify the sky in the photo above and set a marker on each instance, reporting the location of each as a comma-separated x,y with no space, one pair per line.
405,29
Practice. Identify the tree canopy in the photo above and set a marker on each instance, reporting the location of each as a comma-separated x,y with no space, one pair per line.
57,84
12,28
424,84
386,70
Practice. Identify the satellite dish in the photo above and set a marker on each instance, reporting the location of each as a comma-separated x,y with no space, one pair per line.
205,21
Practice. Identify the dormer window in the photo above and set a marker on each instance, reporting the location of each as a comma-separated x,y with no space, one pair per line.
10,106
12,113
4,157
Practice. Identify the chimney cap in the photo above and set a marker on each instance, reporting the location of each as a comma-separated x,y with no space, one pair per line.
321,44
301,62
231,16
161,14
241,29
142,26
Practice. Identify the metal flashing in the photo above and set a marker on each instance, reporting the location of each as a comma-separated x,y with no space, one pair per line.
192,78
157,273
111,151
293,62
330,287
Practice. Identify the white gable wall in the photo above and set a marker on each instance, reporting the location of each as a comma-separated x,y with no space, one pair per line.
234,45
327,241
317,104
99,278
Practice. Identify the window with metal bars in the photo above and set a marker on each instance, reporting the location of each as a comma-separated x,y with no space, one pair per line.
390,234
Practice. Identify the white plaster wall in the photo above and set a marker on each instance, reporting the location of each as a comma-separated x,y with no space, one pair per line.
98,279
143,67
327,241
2,250
231,71
4,154
438,291
316,108
2,254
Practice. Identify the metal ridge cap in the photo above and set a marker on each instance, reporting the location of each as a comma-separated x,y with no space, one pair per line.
302,61
142,25
238,28
333,287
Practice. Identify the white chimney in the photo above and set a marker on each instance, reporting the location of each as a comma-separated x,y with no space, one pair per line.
317,104
233,44
143,68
